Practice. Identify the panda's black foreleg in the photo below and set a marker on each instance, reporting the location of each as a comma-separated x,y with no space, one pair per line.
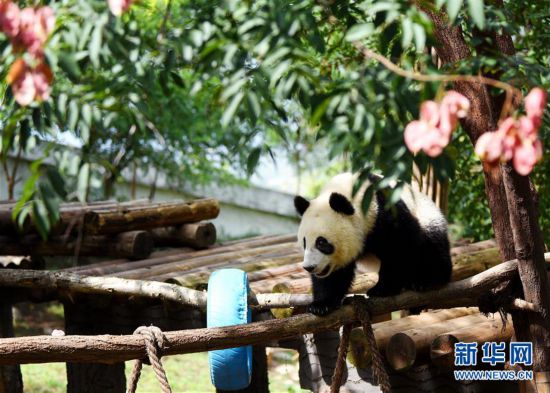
328,292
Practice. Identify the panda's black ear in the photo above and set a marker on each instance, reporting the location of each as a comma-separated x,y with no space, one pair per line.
301,204
341,204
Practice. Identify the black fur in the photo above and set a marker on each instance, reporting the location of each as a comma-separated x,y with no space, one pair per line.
410,258
328,292
301,204
341,204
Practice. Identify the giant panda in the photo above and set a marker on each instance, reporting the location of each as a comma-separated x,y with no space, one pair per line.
410,241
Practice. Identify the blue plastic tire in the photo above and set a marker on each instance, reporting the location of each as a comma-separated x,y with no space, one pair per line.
230,369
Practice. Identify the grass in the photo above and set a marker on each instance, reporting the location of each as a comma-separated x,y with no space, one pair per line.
186,373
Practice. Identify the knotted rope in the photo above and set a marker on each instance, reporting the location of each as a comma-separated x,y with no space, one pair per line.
154,344
379,371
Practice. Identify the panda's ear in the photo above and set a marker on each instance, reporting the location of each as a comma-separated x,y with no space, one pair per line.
341,204
301,204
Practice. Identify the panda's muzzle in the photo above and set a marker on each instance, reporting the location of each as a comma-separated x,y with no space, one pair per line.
309,268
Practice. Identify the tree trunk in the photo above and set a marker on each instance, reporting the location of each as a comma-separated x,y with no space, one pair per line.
530,251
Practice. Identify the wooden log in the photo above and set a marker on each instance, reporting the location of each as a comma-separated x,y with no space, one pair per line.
152,217
97,269
11,380
404,348
358,350
247,264
148,264
442,347
91,377
300,282
467,265
457,294
109,349
473,247
199,235
134,245
181,265
72,283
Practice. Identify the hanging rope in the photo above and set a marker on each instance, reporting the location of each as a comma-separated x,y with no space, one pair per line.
379,371
341,359
154,344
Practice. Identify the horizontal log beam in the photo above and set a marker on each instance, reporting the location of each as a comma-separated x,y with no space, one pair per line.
132,245
109,222
77,284
109,348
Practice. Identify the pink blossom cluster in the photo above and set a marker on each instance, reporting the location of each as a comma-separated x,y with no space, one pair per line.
28,30
30,84
118,7
516,139
432,132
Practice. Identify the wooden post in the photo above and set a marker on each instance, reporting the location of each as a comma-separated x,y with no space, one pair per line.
91,377
11,380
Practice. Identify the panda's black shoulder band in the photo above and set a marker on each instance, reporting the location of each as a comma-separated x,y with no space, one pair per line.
341,204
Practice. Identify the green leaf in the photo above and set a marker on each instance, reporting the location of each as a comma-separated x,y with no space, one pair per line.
453,8
68,64
51,201
231,109
83,180
95,44
359,31
41,219
419,37
253,160
73,115
476,12
407,35
56,181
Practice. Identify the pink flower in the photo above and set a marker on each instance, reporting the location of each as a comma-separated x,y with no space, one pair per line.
429,112
118,7
415,133
527,127
29,84
435,142
432,132
489,147
526,155
535,102
457,103
9,18
453,106
515,140
34,29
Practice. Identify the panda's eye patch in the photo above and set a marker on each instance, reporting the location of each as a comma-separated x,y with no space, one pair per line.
304,243
324,246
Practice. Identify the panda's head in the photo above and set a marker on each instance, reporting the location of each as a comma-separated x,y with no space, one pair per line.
330,232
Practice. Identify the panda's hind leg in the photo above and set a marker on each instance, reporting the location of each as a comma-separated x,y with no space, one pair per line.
328,292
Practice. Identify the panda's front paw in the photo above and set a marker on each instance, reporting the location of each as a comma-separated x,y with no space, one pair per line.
321,308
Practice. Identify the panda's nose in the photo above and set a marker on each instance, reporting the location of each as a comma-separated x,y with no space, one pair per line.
309,268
